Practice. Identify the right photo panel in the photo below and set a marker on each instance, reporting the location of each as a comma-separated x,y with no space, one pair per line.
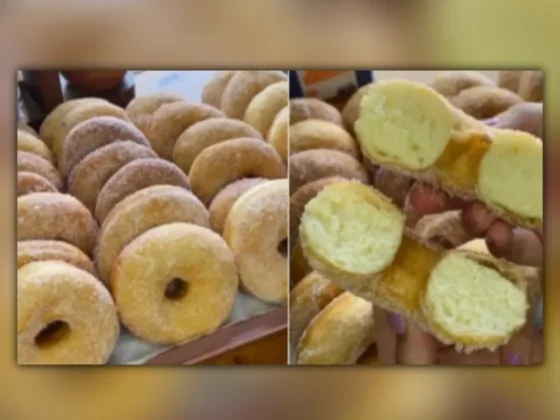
416,209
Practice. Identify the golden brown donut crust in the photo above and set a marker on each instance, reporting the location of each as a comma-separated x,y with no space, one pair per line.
141,109
27,142
29,162
312,108
27,128
90,175
318,134
134,176
482,102
29,183
351,111
215,87
531,86
277,136
46,250
231,160
451,83
299,267
264,107
444,229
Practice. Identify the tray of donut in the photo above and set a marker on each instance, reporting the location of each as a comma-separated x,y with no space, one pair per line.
155,230
331,309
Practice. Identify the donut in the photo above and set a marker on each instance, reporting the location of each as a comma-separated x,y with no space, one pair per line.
256,231
351,110
27,128
444,229
215,87
509,79
307,299
141,109
277,136
451,294
299,267
90,175
531,86
409,128
482,102
29,183
265,105
311,165
93,134
29,143
141,211
207,133
45,250
29,162
393,184
56,216
64,316
53,122
339,334
231,160
451,83
299,200
81,113
224,200
171,120
174,283
318,134
134,176
243,87
312,108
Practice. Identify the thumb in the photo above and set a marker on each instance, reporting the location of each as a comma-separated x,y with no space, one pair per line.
414,346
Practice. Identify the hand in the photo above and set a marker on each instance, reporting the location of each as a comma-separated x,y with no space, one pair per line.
525,116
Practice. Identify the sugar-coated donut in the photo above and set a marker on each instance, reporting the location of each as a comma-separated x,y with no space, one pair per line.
29,183
29,162
277,136
206,133
141,211
56,216
53,122
93,134
231,160
29,143
243,87
214,88
509,79
444,229
27,128
319,134
134,176
46,250
312,108
81,113
256,231
531,86
171,120
221,204
451,83
482,102
264,107
300,198
339,334
311,165
175,283
90,175
141,109
64,316
351,110
307,299
299,267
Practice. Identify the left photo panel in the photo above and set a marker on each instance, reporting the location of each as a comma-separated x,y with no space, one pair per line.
152,217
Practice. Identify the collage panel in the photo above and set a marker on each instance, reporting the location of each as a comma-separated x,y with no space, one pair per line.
416,208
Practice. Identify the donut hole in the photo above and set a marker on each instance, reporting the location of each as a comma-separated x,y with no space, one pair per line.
176,289
283,247
52,334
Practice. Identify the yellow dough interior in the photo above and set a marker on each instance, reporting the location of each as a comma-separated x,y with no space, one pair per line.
511,173
466,299
404,123
353,228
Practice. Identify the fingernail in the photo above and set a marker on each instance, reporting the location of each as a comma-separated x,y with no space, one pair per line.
397,322
514,359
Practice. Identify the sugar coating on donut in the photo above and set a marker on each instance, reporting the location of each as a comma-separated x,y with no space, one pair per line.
29,143
29,162
311,165
482,102
93,134
171,120
317,134
47,250
312,108
141,108
351,111
134,176
29,183
174,283
265,105
56,293
206,133
141,211
277,136
90,175
451,83
224,200
256,230
231,160
214,88
56,216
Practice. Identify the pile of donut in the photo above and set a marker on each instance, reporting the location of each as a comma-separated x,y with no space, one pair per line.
331,326
150,216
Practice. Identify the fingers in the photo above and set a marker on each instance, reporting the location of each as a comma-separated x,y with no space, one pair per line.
476,219
385,337
426,199
520,246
